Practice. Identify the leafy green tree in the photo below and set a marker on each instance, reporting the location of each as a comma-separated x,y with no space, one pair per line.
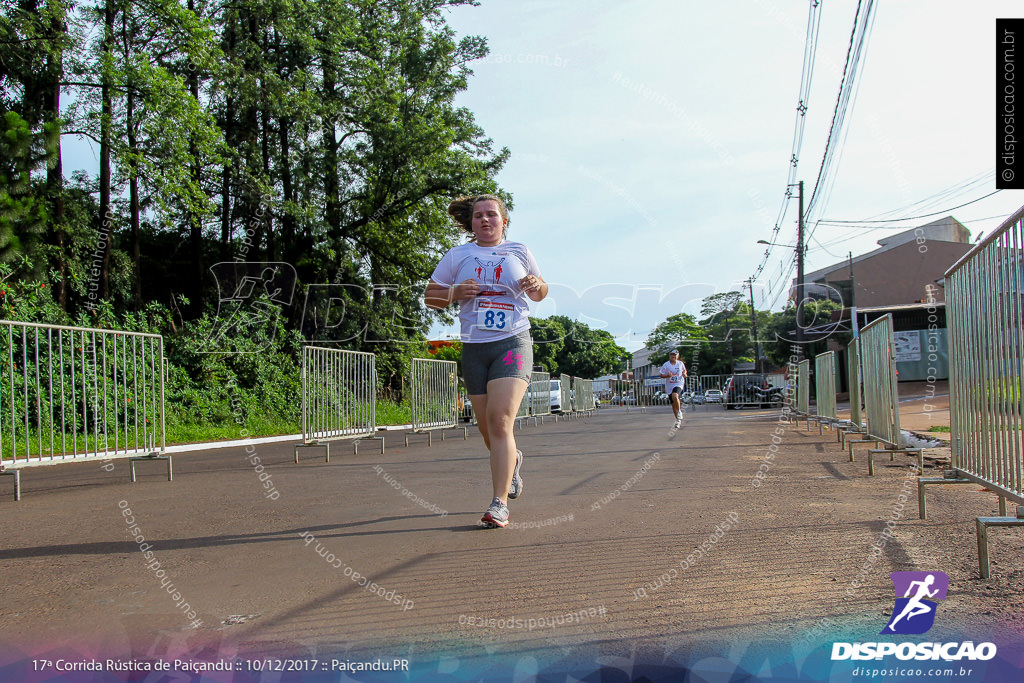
548,342
585,352
23,213
717,304
680,331
323,133
34,37
780,341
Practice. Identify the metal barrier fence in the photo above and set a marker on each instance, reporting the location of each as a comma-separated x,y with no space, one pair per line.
853,381
825,386
985,316
72,393
746,389
881,398
433,397
540,394
584,394
705,382
643,391
339,398
803,388
464,406
855,425
524,408
567,399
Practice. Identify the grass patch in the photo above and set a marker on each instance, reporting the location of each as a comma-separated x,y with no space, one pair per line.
391,413
388,413
199,433
938,428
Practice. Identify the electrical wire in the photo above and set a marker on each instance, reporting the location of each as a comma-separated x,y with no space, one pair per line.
806,79
912,218
838,131
862,23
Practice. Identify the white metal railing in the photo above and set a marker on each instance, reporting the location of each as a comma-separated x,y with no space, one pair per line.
339,391
881,397
825,385
585,394
74,393
803,387
540,394
985,316
565,388
433,397
853,379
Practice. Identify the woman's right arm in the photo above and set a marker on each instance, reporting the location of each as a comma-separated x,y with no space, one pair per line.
442,296
438,296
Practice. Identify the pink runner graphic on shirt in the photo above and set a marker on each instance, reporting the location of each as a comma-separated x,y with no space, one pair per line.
518,358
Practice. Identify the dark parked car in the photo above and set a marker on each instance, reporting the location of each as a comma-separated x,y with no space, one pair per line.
751,389
465,408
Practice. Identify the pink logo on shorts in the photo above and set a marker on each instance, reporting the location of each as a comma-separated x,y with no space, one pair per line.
518,359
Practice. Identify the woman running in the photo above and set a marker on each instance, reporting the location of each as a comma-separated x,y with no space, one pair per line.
491,279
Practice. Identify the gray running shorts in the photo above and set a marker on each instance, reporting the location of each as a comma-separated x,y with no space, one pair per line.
484,361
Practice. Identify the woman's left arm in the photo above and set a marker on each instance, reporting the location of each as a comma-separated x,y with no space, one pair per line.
533,284
534,287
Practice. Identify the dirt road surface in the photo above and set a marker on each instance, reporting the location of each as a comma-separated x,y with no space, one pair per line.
632,542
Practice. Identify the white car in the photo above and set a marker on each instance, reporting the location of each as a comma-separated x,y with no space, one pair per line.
713,396
556,396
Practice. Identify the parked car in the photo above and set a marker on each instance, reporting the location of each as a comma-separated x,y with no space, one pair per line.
465,407
713,396
751,389
556,396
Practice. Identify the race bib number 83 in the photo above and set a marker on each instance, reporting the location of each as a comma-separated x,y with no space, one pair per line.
491,315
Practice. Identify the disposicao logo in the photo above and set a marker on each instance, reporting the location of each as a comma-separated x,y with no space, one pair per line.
917,594
914,612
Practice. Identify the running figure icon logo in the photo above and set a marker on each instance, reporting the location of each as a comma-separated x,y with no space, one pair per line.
489,272
914,612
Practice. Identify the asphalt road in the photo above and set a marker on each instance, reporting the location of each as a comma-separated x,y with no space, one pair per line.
631,540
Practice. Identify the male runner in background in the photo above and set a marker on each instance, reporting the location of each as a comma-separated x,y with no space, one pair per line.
674,372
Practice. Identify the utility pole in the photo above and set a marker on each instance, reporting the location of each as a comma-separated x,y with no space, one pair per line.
800,270
753,328
854,323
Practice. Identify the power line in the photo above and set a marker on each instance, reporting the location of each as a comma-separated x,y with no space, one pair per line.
806,78
837,131
914,218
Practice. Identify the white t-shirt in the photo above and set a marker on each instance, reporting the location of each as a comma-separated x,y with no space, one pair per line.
501,309
676,375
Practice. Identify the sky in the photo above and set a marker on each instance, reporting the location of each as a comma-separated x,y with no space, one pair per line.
651,140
